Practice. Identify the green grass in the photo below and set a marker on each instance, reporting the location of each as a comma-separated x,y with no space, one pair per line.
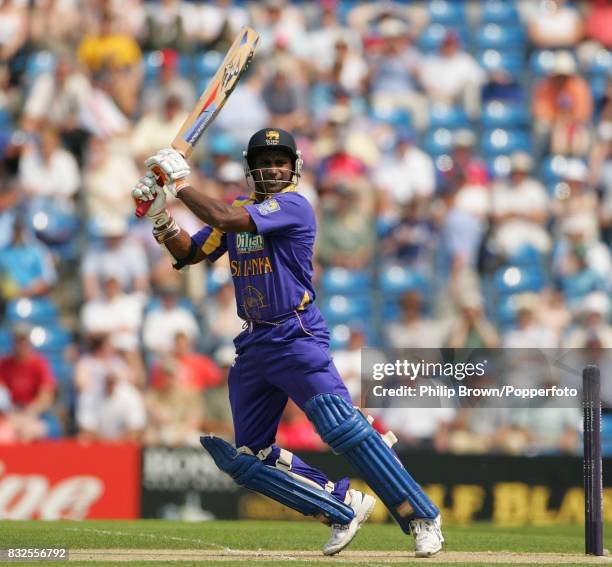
269,535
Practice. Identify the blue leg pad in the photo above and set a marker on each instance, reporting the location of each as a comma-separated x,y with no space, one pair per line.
248,471
346,430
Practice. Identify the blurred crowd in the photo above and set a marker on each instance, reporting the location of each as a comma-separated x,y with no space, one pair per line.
458,155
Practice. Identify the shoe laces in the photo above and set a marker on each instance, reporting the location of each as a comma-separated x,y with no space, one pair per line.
422,525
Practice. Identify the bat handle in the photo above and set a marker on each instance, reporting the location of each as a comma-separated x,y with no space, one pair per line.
143,206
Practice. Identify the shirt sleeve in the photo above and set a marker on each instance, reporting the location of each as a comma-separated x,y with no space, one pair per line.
47,380
282,213
212,241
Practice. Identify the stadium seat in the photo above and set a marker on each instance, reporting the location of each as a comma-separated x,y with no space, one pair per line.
50,339
343,281
498,166
205,64
35,311
542,61
498,114
599,64
504,38
447,12
501,141
216,276
6,122
502,12
346,309
339,336
438,142
553,168
580,284
152,61
451,117
398,279
432,36
493,59
512,279
6,341
526,256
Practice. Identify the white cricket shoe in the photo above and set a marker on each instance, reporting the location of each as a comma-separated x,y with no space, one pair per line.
427,535
342,535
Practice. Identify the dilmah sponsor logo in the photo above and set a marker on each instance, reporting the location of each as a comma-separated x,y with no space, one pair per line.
248,242
27,496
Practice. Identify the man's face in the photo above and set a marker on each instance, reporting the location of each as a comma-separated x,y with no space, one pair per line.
273,170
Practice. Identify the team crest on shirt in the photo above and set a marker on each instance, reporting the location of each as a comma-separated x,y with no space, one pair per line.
248,242
268,206
272,137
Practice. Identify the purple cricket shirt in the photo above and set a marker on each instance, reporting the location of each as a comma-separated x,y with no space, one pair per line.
272,268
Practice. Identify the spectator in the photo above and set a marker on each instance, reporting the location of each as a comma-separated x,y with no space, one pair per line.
195,372
29,380
155,128
168,83
529,333
555,24
503,85
348,362
26,266
115,313
412,238
285,101
414,329
406,174
598,24
57,97
467,167
562,108
578,209
175,414
164,26
461,233
345,237
593,328
472,329
453,76
107,175
172,318
347,69
13,36
296,432
392,79
117,255
108,49
119,414
48,171
54,25
521,209
221,316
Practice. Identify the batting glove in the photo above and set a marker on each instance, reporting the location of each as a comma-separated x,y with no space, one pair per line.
147,189
171,166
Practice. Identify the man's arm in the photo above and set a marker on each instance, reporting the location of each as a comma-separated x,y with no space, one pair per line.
214,212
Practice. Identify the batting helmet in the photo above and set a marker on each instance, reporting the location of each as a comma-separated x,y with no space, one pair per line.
271,138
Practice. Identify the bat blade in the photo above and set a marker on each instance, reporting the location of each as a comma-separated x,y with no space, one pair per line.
213,98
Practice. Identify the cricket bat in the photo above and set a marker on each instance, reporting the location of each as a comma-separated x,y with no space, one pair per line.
212,99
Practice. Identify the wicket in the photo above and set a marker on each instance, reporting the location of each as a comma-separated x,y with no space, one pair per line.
591,403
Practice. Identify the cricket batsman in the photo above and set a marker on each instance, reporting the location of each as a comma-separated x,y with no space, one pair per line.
283,351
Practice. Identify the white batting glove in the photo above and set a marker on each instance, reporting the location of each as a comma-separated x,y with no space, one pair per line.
173,167
147,189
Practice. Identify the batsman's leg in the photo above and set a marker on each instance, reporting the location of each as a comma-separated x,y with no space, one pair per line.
348,432
260,465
